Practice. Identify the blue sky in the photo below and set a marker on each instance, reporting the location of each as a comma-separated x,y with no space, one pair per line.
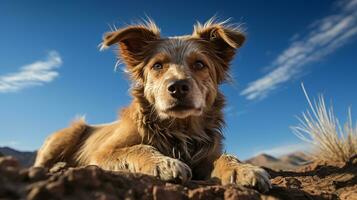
52,71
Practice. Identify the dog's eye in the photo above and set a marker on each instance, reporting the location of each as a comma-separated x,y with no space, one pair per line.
199,65
157,66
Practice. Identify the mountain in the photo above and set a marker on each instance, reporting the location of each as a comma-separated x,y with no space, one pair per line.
262,159
286,162
297,158
26,158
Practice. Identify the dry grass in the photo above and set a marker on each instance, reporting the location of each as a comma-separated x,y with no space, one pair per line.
320,127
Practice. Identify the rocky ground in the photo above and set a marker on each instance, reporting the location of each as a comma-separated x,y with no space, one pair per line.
315,181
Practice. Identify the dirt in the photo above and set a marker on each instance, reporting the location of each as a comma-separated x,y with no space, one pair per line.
315,181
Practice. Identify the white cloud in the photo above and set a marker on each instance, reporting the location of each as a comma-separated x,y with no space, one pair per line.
232,111
323,38
34,74
11,143
285,149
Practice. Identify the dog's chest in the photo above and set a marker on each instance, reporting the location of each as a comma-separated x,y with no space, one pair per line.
182,144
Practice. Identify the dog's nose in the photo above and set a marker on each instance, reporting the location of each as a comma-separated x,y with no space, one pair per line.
178,89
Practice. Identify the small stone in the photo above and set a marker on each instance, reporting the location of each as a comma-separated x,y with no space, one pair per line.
292,183
60,166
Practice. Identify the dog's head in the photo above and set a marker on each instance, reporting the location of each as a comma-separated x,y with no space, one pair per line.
180,75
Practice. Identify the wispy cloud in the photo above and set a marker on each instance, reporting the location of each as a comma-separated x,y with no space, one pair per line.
285,149
232,111
11,143
323,37
34,74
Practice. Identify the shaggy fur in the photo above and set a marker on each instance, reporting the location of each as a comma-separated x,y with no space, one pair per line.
173,127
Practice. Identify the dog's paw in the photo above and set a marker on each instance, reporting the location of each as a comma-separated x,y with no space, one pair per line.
170,169
247,175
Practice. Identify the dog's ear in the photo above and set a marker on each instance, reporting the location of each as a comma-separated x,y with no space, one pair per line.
132,41
225,39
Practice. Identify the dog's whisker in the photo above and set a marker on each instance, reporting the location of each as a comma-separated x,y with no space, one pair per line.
117,64
110,27
115,28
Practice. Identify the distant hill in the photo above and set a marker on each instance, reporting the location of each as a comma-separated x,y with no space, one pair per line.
262,159
26,158
286,162
297,158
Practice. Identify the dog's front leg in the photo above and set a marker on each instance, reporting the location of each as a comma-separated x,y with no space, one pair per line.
143,159
229,170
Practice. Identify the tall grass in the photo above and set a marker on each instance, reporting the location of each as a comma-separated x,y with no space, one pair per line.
320,127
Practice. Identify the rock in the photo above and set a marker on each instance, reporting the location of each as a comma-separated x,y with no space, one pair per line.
349,194
165,193
91,182
87,177
8,161
210,192
58,167
292,182
240,194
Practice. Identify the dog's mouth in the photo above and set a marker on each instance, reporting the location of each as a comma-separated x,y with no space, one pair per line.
180,107
181,110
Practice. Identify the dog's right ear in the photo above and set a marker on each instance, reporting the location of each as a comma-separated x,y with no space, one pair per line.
132,41
224,38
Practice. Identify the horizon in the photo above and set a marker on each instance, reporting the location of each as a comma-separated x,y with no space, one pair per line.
51,69
249,158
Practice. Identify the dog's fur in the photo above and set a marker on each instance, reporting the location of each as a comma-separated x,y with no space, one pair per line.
160,134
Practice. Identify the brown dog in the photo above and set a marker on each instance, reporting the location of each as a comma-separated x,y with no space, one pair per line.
172,129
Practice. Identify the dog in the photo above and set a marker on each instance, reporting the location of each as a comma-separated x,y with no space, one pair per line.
173,127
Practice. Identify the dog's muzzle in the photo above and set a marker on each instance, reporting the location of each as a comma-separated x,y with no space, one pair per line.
179,89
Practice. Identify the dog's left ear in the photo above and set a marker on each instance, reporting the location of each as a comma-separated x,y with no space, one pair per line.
225,39
132,41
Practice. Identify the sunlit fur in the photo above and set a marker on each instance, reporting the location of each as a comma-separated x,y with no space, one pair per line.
152,136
